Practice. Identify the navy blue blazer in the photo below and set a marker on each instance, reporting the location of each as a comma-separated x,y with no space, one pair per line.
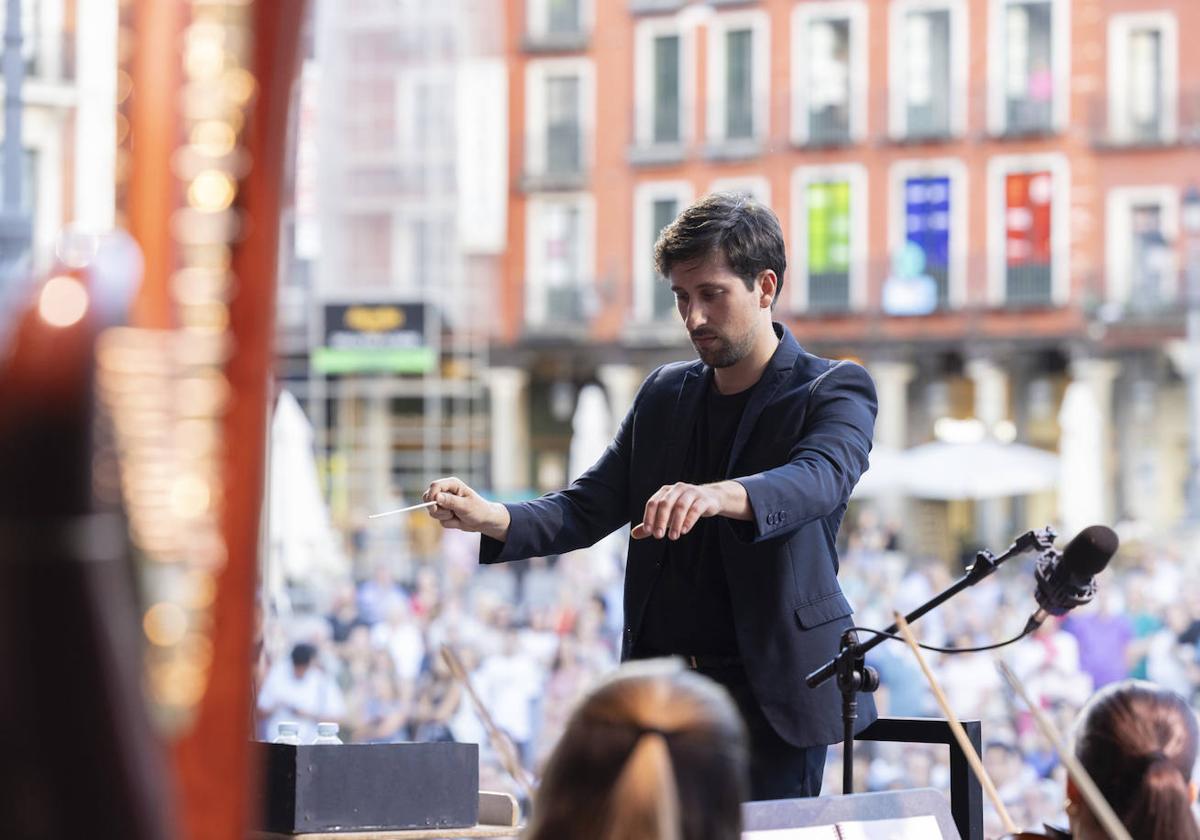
799,449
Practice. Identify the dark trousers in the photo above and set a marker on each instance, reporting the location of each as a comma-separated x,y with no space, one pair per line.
778,770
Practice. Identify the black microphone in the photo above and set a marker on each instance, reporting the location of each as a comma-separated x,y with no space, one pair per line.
1067,581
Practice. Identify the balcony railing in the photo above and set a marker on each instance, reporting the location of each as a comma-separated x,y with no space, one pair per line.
563,163
1122,129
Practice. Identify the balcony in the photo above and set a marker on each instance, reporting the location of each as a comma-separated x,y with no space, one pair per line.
556,160
567,310
640,7
550,41
1163,126
658,137
560,28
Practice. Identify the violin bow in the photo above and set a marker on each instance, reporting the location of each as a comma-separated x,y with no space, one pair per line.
960,735
501,743
1096,802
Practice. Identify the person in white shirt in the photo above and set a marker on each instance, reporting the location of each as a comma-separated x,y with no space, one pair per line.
299,691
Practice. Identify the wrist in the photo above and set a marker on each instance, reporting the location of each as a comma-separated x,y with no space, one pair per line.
734,501
497,525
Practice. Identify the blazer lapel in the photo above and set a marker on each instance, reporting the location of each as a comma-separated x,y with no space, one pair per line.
683,420
774,375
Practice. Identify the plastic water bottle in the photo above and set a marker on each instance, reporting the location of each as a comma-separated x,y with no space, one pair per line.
288,732
327,733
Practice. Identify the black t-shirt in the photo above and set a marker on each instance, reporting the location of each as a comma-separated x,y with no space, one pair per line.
689,611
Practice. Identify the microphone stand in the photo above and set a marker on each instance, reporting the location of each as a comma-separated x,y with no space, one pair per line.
850,668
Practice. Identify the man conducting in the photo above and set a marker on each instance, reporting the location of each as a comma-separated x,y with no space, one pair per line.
734,472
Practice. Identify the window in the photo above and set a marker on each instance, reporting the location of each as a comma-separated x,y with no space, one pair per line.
1028,234
558,260
559,99
928,66
928,227
1029,66
664,82
1143,78
829,209
829,73
563,147
556,21
1142,230
656,204
738,51
563,16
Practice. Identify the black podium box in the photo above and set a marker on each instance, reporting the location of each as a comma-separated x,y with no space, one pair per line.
368,787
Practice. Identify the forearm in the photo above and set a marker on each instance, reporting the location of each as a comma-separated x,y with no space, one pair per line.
734,500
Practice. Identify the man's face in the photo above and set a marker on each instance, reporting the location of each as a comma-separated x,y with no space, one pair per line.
722,316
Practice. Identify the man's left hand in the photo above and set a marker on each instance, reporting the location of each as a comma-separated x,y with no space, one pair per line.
676,508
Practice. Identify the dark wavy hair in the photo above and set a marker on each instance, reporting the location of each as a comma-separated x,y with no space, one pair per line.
1138,742
655,753
746,233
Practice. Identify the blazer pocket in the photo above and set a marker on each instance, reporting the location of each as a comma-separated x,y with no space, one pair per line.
822,610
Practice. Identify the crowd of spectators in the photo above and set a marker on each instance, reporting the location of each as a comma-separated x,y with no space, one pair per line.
535,636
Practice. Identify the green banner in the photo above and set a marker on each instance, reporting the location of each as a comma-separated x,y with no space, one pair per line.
374,360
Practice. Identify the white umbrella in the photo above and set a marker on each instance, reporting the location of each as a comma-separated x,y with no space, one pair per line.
886,475
303,544
591,430
985,469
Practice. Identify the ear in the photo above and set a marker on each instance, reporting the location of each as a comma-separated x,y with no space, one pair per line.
769,285
1192,789
1072,791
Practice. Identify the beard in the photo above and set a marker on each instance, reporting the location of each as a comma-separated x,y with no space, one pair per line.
724,352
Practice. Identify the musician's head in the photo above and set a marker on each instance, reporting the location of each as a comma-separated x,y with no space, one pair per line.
1138,743
656,752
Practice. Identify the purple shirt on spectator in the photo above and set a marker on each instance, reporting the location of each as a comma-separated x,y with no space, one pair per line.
1103,640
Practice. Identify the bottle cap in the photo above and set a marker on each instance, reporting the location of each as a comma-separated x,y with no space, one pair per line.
326,728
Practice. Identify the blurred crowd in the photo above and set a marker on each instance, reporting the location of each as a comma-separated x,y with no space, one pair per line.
535,636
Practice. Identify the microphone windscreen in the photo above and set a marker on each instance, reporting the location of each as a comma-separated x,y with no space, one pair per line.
1088,554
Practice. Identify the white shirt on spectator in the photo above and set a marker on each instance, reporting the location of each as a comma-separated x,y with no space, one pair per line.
311,698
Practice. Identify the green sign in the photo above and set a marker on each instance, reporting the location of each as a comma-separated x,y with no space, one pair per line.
374,360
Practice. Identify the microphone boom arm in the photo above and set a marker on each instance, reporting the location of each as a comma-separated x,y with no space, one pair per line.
1041,540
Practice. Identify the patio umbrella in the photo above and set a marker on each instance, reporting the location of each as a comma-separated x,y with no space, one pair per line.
303,543
985,469
885,476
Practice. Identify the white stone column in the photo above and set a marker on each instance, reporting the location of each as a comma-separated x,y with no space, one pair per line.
1085,446
508,389
620,383
891,387
991,406
991,391
891,429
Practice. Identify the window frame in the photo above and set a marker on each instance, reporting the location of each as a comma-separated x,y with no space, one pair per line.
537,19
804,176
956,170
537,72
644,275
1060,65
646,32
1118,236
998,168
858,16
720,24
959,57
1120,28
535,286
